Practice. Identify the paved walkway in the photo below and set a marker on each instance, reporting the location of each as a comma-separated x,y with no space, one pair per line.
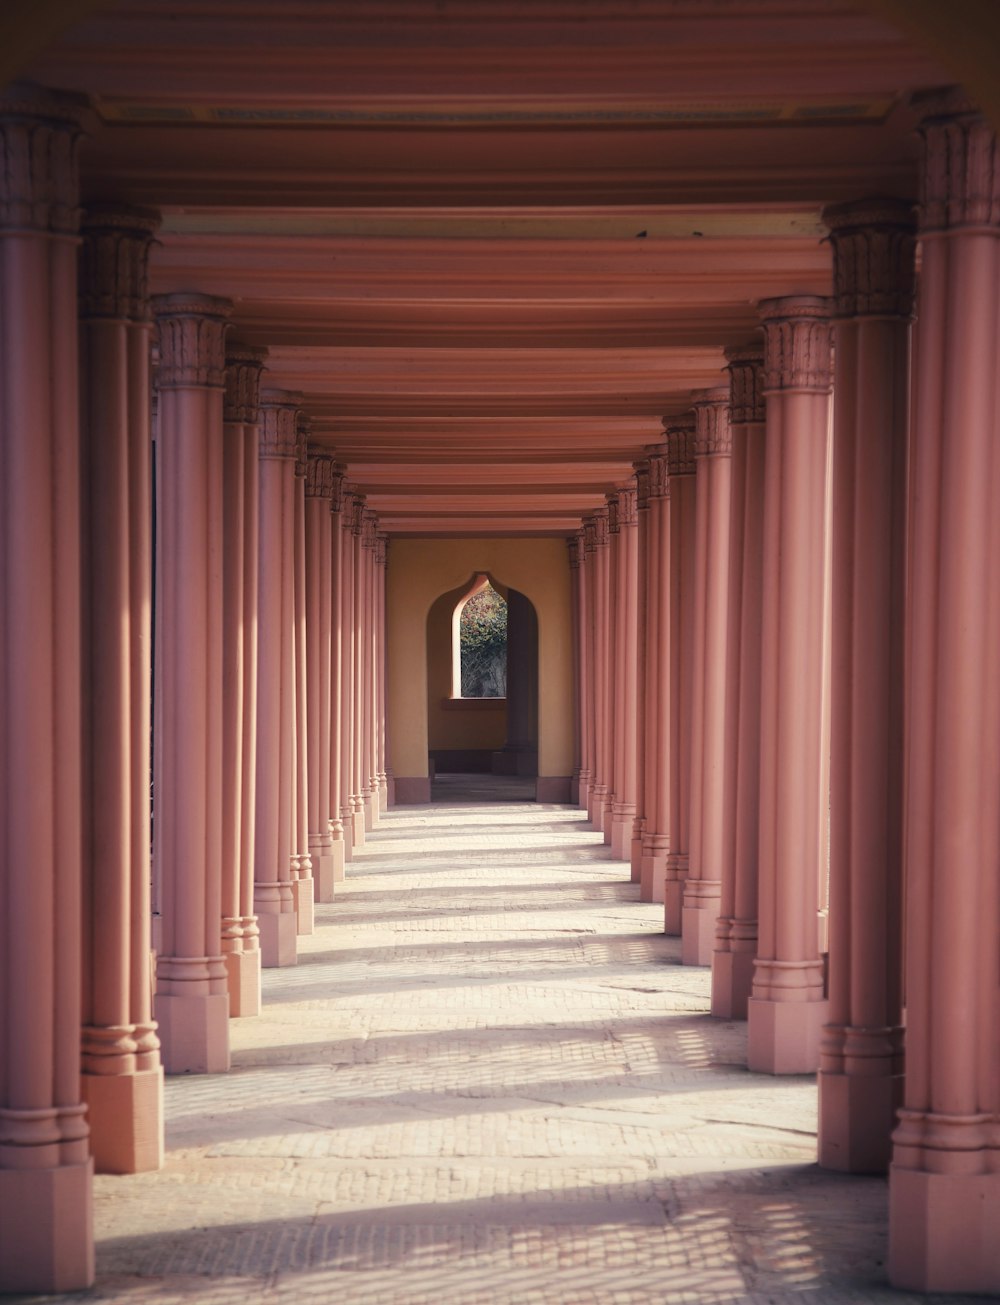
489,1082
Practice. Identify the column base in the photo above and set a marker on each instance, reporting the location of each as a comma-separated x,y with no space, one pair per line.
383,794
371,811
943,1231
277,940
673,906
47,1229
305,911
732,979
595,806
125,1113
194,1033
583,792
621,837
857,1113
338,858
698,918
358,828
243,981
607,819
783,1037
652,876
323,879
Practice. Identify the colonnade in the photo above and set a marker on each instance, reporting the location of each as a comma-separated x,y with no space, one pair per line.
810,608
189,751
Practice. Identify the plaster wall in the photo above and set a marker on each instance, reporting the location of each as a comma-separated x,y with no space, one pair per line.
419,572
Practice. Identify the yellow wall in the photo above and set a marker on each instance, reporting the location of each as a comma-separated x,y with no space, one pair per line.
483,724
419,571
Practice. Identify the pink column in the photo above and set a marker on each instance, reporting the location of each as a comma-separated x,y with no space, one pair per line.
338,845
680,652
626,655
273,897
357,733
46,1232
601,625
192,1001
610,634
348,543
122,1074
574,548
303,884
381,774
736,927
657,734
944,1183
369,776
319,594
240,933
861,1056
787,1008
642,704
703,885
588,687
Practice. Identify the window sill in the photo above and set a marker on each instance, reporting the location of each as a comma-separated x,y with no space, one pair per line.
472,704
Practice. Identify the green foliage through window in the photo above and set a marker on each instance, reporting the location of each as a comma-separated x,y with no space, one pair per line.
483,644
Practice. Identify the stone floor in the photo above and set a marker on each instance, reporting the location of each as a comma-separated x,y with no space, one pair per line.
489,1082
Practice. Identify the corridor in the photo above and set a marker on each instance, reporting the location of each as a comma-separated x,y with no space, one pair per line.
488,1080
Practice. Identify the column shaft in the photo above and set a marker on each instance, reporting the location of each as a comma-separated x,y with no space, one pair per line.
599,789
320,472
349,544
703,886
861,1070
192,1002
240,934
657,735
122,1074
787,1008
303,885
339,845
273,896
944,1183
382,777
626,654
574,545
46,1232
736,927
642,704
589,688
358,595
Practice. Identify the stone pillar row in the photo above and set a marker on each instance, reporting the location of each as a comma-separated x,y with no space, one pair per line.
263,731
817,750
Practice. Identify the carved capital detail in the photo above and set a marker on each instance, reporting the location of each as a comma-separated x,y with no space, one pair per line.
960,179
713,436
320,471
746,384
641,484
628,507
40,133
602,536
797,344
337,489
874,247
369,528
680,445
612,509
355,513
589,535
114,263
659,474
381,548
192,341
575,546
244,365
278,424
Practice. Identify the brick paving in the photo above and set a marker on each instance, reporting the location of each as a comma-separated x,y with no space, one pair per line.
489,1081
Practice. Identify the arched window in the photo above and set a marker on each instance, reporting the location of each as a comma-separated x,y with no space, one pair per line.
479,643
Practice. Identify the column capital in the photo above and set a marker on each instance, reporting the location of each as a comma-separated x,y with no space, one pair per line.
797,344
355,512
628,506
278,426
659,473
40,132
745,365
874,243
612,509
369,528
192,336
680,445
337,489
381,548
602,536
321,471
302,429
114,262
713,435
574,543
641,484
244,364
589,535
960,178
